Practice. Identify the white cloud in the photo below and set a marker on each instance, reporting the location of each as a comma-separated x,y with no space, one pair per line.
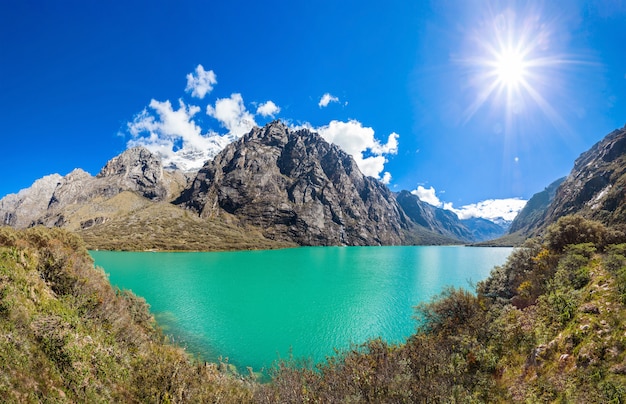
490,209
201,83
359,141
232,114
268,109
177,136
174,135
327,99
427,195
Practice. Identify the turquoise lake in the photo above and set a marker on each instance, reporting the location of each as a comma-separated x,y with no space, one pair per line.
254,307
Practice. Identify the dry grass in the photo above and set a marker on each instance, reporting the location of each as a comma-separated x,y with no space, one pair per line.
136,224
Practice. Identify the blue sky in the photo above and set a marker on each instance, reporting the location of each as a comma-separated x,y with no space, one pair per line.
468,100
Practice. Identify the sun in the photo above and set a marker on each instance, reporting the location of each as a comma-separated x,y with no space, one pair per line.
511,65
510,68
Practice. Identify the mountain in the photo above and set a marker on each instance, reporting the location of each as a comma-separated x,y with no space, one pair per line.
274,187
127,206
438,220
447,223
595,189
535,209
63,201
296,187
482,229
596,186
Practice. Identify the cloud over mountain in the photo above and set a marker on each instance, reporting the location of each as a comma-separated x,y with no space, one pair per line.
186,141
427,195
490,209
268,109
232,114
359,141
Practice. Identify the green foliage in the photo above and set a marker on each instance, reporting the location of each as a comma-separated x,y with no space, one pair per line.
569,230
547,326
67,336
447,311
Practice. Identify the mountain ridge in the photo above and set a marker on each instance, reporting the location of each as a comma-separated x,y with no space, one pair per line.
287,187
595,189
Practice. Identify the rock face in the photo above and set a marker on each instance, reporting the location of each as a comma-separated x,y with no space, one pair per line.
136,169
534,212
297,187
52,200
438,220
447,223
595,189
19,210
596,186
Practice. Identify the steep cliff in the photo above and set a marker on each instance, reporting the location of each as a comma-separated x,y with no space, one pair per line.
596,186
296,187
438,220
534,212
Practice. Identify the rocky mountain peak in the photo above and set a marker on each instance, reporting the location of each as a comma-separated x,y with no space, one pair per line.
136,169
596,186
275,133
30,202
297,187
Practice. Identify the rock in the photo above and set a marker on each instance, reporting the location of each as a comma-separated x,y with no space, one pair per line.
22,209
136,169
589,308
439,220
533,213
297,187
619,369
54,200
596,186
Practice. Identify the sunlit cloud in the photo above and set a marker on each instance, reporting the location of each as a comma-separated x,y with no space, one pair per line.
491,209
359,142
174,135
185,141
201,83
268,109
327,99
427,195
232,114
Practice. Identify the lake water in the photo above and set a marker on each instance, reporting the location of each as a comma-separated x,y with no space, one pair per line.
254,307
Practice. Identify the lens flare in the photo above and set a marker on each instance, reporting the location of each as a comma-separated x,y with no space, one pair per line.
514,65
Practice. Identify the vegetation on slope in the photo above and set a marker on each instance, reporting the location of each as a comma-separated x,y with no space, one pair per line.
67,336
136,224
548,326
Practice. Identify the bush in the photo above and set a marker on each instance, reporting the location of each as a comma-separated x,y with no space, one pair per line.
575,230
452,309
573,269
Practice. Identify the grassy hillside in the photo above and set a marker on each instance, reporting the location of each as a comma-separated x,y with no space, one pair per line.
548,326
67,336
135,223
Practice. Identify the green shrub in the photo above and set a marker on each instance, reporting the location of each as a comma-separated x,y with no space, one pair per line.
569,230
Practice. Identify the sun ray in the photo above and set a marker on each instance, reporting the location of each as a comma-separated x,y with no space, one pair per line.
514,68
